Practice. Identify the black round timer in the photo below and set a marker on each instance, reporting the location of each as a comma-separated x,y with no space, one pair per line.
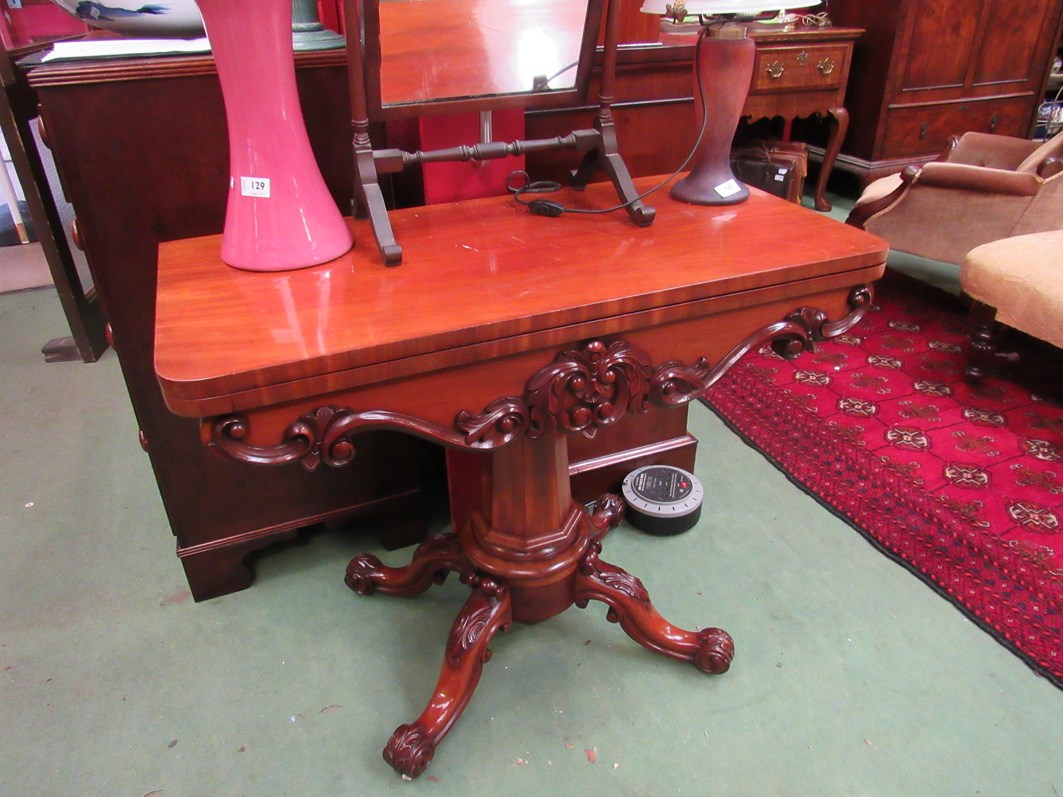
662,499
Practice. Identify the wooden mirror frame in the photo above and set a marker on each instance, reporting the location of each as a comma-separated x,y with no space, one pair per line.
598,144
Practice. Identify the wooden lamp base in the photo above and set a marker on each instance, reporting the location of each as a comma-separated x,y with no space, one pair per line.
723,68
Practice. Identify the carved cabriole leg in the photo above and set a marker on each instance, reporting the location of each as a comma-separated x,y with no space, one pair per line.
433,560
487,611
710,650
839,127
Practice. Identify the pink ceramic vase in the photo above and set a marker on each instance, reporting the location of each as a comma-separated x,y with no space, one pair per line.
280,215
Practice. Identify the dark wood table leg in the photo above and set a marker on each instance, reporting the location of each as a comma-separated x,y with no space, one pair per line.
411,747
839,127
433,561
710,649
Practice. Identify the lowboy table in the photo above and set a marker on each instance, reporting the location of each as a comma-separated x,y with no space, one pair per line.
500,336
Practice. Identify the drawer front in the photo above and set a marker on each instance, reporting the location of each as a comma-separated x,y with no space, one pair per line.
919,130
810,68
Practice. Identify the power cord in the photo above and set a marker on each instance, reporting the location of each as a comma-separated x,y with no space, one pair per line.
552,209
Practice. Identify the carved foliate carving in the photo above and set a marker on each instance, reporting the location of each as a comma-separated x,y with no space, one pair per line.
410,750
467,631
612,577
675,383
501,421
587,388
608,512
317,436
716,650
332,444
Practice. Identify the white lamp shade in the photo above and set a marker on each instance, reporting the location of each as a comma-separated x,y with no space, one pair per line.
709,7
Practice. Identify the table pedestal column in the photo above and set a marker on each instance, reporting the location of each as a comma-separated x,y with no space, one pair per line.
528,552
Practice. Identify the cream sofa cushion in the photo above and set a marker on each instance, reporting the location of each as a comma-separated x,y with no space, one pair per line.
1022,277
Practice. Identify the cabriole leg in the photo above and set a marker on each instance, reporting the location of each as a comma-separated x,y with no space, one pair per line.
432,562
411,747
710,650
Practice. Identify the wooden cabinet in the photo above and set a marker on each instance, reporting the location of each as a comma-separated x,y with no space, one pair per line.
929,69
140,147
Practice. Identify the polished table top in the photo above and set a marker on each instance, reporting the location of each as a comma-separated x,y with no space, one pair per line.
477,276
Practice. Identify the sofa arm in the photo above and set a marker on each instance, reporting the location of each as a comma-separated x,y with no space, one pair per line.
982,180
986,149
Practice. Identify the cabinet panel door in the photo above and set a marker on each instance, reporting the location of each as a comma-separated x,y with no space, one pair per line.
939,47
1013,35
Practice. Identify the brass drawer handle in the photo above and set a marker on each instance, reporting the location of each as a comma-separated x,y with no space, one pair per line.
775,70
826,66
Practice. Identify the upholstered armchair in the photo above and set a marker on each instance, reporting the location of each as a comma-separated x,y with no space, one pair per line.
983,188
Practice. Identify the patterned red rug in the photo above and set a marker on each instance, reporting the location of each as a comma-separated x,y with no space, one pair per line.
961,484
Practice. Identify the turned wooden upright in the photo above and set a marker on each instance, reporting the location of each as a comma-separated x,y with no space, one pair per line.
502,336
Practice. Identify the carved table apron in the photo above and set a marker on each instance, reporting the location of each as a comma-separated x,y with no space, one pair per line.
501,336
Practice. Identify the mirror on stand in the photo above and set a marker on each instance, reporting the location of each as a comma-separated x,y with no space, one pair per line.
409,58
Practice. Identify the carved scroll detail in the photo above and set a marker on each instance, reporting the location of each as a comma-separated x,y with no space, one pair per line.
715,652
799,330
410,750
363,572
612,577
325,435
675,384
806,326
587,388
501,421
317,436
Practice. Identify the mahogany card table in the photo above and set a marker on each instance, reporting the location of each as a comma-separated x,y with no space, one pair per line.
501,336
